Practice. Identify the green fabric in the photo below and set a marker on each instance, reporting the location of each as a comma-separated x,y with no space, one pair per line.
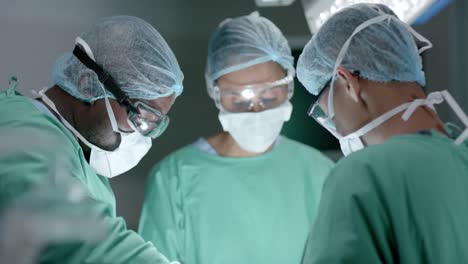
206,209
403,201
28,165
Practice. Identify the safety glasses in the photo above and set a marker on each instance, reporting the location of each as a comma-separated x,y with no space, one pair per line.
322,109
245,98
319,109
148,121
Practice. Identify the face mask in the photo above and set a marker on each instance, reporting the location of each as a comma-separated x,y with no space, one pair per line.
352,142
256,132
133,146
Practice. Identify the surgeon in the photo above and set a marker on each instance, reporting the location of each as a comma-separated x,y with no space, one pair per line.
246,194
110,99
400,194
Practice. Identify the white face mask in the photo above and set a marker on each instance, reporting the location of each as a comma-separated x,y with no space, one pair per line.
133,146
256,132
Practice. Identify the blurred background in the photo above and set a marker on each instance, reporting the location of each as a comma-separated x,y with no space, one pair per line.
33,34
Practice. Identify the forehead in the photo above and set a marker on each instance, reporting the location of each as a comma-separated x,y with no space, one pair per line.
256,74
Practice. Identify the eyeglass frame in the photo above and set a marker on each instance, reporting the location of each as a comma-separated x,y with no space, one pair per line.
287,80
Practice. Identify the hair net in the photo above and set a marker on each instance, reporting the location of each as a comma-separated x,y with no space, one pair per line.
245,41
134,54
382,52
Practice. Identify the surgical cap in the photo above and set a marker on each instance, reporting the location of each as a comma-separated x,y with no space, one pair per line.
381,52
134,54
241,42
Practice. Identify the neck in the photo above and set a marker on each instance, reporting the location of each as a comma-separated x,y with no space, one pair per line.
226,146
422,119
62,101
65,104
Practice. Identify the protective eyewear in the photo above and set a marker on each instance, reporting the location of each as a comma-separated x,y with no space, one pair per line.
323,110
244,99
319,109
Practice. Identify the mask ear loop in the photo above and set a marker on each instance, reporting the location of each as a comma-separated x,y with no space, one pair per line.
378,121
110,112
433,98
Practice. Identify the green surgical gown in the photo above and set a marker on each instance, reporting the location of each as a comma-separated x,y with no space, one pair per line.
205,209
403,201
28,165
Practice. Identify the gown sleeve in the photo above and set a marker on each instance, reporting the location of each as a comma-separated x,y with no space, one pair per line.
23,169
161,220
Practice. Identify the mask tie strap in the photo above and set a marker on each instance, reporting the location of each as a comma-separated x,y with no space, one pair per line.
430,101
110,112
437,98
378,121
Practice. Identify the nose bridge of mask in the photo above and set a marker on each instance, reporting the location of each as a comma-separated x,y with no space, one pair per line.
282,112
344,49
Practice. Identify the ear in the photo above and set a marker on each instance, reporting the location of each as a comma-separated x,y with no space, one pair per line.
351,83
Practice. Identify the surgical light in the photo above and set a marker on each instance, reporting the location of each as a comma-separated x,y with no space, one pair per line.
266,3
318,11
